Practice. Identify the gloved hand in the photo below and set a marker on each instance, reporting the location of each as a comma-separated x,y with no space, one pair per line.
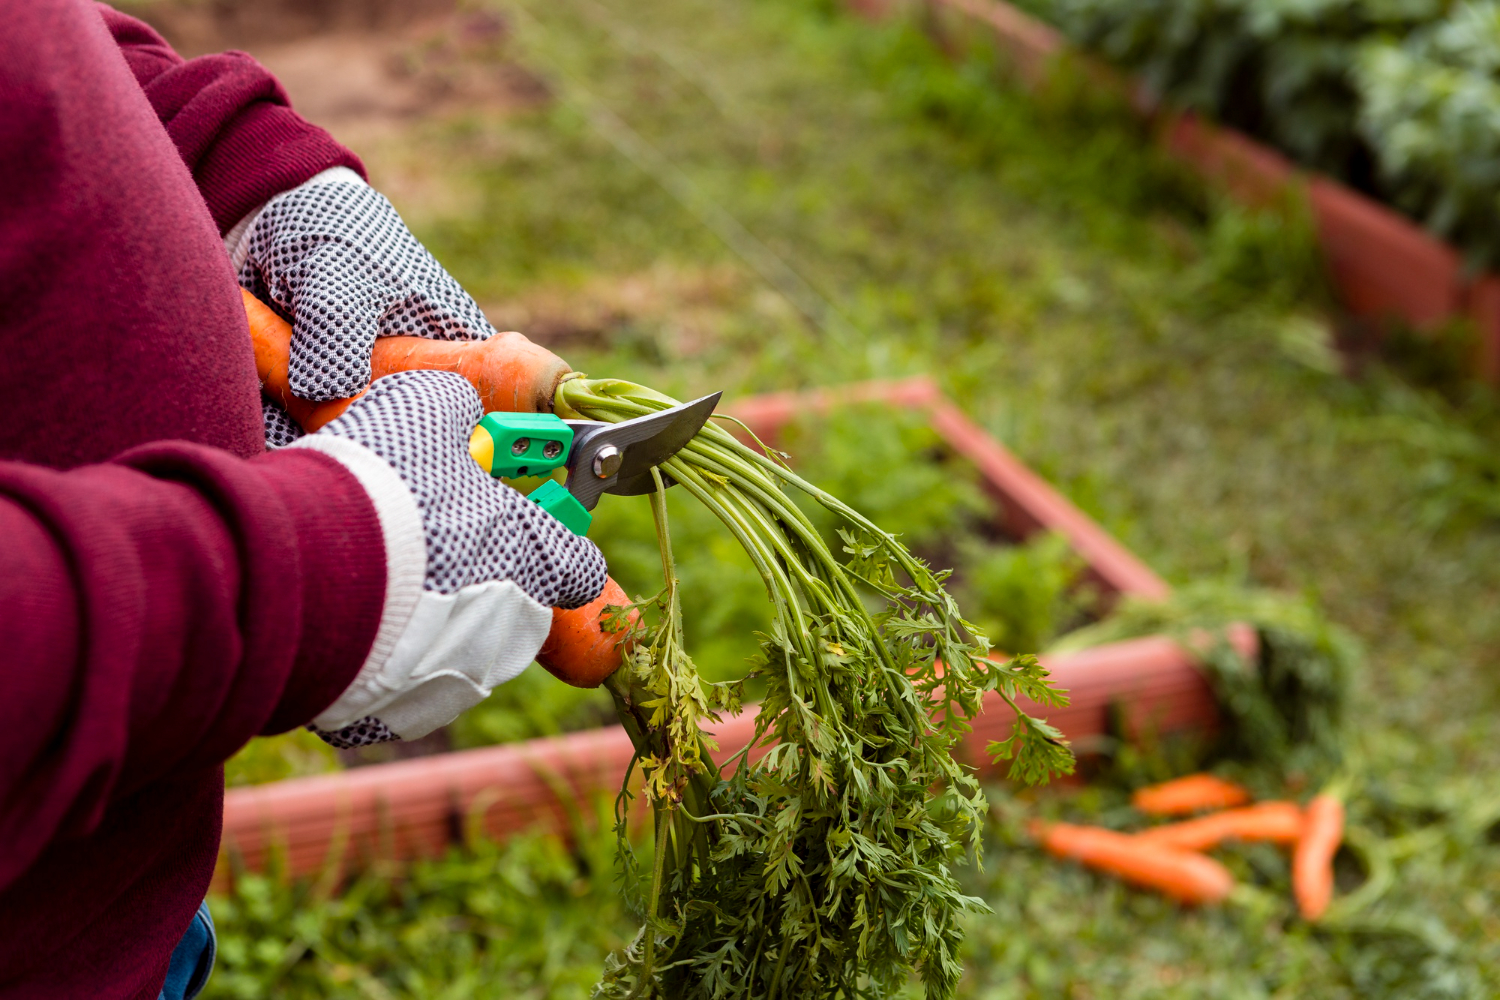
335,258
473,567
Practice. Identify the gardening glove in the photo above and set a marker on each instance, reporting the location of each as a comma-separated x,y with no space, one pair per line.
281,429
473,567
335,259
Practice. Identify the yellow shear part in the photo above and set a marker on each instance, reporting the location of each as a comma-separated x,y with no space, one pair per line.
482,447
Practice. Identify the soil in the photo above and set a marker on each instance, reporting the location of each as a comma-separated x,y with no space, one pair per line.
375,73
366,70
198,26
679,308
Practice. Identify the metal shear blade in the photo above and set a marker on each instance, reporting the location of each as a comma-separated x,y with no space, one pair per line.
618,458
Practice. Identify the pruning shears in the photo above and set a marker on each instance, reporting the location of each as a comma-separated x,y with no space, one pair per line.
599,457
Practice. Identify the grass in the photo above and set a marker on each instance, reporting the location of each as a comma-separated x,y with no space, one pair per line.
530,919
1159,356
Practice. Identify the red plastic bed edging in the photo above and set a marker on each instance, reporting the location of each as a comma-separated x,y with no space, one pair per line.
417,807
1029,502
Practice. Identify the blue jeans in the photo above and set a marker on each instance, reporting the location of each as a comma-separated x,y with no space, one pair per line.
192,959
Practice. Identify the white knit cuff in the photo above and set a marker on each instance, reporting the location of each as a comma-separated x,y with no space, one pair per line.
237,240
401,528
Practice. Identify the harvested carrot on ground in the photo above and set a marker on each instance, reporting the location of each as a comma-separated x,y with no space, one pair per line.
1277,822
1194,793
1312,861
1183,875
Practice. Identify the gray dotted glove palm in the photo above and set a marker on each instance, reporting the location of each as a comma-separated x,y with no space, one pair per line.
335,258
473,567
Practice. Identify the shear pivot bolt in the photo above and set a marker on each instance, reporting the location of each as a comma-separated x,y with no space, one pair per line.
607,461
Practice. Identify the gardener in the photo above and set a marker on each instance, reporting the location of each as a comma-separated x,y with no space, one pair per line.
168,587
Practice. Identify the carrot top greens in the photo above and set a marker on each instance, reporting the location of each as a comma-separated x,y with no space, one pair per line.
822,868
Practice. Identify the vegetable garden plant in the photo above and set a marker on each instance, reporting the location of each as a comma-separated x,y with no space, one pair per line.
1399,99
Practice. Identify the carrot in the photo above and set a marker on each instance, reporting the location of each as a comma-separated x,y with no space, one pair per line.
271,339
510,372
1312,860
578,650
1191,794
1278,822
1183,875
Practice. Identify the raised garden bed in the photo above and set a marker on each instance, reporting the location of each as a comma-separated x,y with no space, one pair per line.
1381,264
416,807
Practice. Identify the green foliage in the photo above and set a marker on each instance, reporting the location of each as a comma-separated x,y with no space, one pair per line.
1287,709
1430,107
1100,156
527,918
275,758
824,868
532,705
1257,258
1024,596
1278,69
1400,98
1453,464
892,468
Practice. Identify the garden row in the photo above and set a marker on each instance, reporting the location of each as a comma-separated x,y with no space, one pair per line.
1371,115
417,807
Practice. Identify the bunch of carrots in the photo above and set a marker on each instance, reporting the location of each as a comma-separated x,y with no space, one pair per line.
1170,858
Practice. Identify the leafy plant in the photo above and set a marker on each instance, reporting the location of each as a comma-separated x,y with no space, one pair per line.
1430,106
823,868
1278,69
1287,706
1454,466
891,467
1400,98
1024,596
528,918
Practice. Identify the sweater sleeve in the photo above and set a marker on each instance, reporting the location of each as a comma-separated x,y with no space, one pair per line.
159,610
231,121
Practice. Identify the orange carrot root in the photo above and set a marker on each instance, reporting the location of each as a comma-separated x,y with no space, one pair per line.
1195,793
1312,861
1183,875
578,650
510,372
1277,822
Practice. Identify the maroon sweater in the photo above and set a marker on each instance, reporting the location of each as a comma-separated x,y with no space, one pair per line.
167,590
